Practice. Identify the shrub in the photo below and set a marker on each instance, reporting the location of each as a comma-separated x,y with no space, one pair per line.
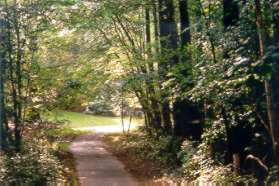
273,174
214,139
197,165
164,149
36,163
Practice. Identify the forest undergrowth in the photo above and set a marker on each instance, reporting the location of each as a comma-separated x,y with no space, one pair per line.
44,158
170,159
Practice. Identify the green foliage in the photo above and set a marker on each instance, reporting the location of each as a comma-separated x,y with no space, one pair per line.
179,159
273,174
163,150
214,140
67,54
199,167
36,163
228,79
188,149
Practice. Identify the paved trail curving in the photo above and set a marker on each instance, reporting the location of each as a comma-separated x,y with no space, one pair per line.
95,165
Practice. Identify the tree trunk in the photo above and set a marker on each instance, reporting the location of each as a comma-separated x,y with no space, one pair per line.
185,23
147,27
156,27
18,121
156,119
168,40
2,107
275,74
168,30
273,126
157,84
185,112
182,123
236,163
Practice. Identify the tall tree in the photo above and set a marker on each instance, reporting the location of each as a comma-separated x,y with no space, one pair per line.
169,45
2,110
3,123
186,113
273,125
19,48
156,116
185,23
275,74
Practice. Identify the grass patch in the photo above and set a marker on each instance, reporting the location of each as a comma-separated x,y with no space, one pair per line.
80,120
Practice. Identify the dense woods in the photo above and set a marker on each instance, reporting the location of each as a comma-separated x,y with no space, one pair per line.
203,71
